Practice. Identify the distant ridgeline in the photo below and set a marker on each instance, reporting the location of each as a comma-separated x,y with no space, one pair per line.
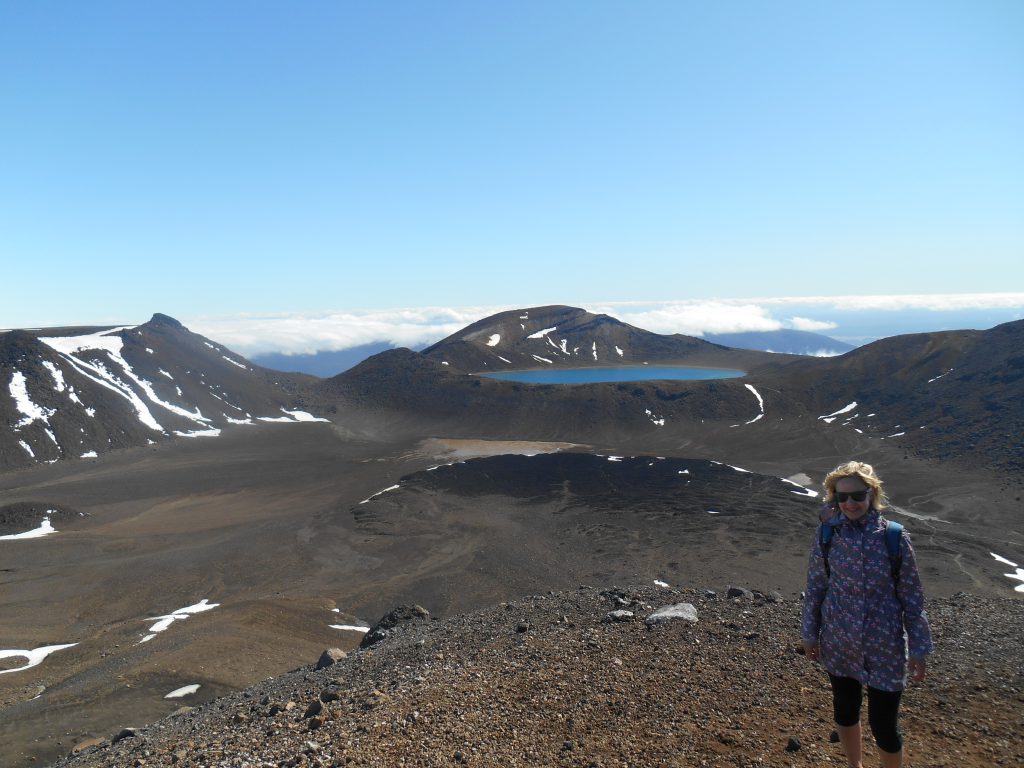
80,392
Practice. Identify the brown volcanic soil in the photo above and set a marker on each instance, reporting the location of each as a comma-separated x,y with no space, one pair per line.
544,680
267,522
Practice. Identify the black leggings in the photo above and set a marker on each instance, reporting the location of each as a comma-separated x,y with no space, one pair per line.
883,711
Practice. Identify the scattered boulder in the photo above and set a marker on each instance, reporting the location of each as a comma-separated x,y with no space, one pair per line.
681,611
330,656
87,744
619,615
793,745
124,733
746,594
387,624
331,693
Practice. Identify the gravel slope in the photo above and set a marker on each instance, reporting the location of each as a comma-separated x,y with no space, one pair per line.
546,680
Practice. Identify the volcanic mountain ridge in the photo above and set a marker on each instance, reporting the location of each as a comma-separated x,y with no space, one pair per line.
949,396
570,337
80,392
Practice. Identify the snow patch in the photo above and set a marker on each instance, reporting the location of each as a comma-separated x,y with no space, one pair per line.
291,417
163,622
214,432
57,374
828,418
34,656
66,346
803,491
185,690
45,528
543,333
1018,574
654,419
493,341
304,416
760,403
31,412
378,493
730,466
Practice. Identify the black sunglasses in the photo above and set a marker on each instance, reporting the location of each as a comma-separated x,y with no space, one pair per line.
855,495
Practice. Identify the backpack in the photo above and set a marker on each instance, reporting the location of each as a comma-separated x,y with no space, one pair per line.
893,536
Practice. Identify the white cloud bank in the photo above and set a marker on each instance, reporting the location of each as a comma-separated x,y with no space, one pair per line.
807,324
697,318
299,333
936,302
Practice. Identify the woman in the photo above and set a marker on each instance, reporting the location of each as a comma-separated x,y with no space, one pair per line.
863,607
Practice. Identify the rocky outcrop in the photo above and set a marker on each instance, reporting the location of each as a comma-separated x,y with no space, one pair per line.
391,620
730,689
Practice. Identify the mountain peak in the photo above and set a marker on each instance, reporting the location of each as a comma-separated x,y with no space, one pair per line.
161,319
564,336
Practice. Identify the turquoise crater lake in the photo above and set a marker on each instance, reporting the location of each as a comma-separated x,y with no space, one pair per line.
624,373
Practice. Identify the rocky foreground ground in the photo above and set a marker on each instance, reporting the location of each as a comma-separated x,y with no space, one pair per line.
550,680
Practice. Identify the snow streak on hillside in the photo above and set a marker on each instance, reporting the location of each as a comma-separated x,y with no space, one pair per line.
57,397
543,337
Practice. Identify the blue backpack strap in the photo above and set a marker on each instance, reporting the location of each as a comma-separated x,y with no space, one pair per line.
825,531
893,542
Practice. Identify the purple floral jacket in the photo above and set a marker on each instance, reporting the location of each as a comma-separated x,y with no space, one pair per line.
862,618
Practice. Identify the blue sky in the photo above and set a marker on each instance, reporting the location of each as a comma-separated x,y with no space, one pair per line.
223,161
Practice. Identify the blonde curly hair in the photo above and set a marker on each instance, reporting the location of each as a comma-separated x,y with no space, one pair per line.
863,472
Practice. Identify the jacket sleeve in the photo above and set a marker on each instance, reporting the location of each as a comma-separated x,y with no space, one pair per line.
911,596
817,585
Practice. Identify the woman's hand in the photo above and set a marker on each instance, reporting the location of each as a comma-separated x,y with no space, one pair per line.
811,650
915,667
